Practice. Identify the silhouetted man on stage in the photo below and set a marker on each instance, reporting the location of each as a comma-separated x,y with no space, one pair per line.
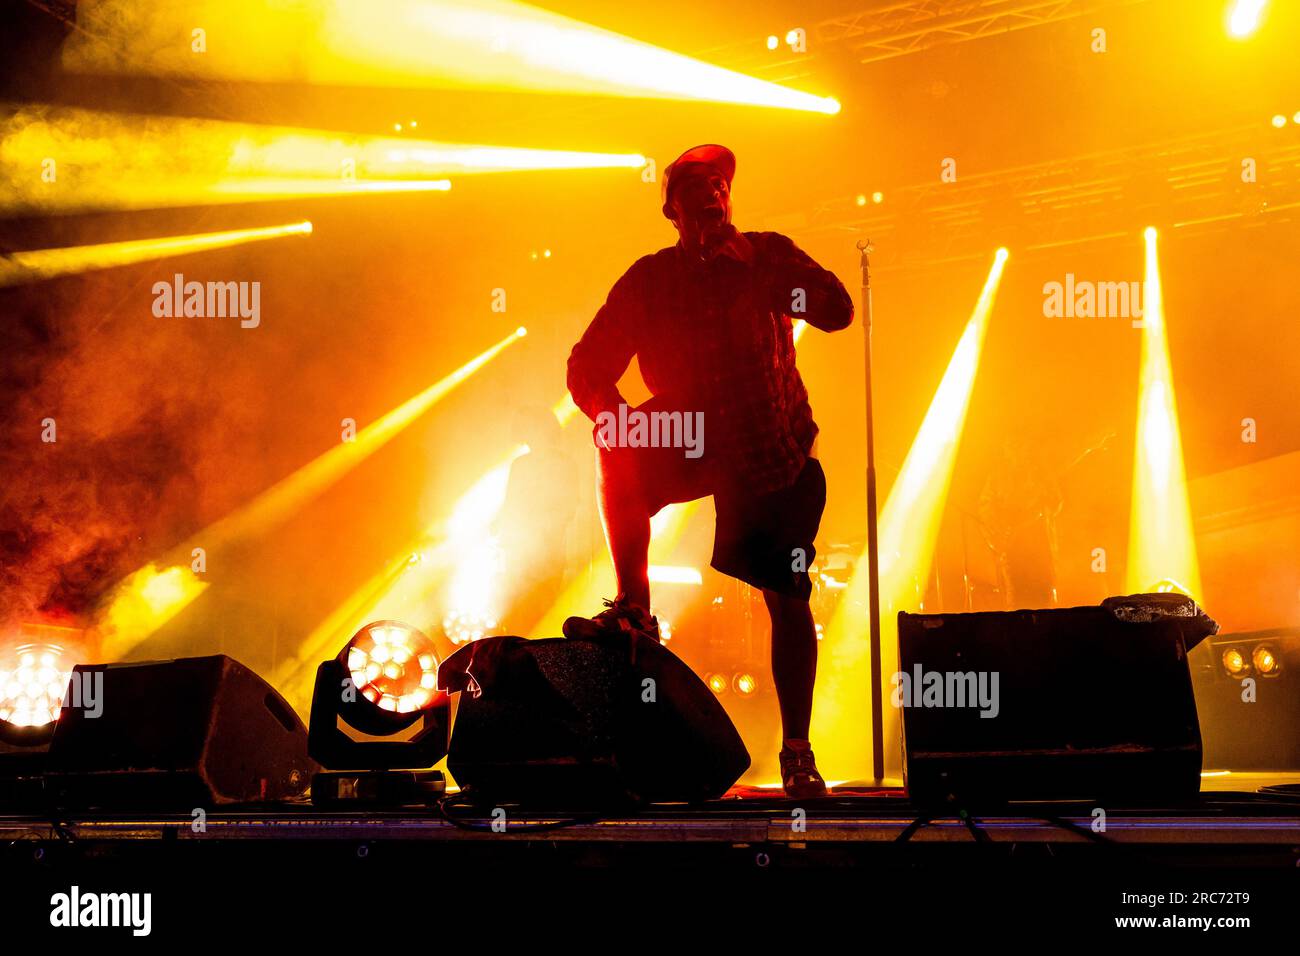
711,323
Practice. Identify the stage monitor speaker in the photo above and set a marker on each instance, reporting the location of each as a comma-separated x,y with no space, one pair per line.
579,722
182,734
1082,703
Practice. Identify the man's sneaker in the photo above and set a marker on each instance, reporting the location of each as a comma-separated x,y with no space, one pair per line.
620,615
799,774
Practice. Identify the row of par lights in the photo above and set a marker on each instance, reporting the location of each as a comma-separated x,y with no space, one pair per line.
742,683
1263,660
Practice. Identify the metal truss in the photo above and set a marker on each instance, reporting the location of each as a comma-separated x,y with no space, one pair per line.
897,28
910,26
1192,183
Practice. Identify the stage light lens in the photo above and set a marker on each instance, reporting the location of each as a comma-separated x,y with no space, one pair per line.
1265,661
1233,662
33,681
1279,121
392,664
773,42
744,684
461,627
717,683
861,200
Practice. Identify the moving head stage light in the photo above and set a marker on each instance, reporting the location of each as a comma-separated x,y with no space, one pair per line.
378,720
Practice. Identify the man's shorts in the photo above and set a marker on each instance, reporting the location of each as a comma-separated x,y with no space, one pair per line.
765,540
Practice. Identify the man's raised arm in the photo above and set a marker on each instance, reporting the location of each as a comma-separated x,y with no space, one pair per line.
827,304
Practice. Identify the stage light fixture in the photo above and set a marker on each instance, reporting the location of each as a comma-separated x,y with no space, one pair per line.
1279,121
1265,661
1234,662
773,42
378,719
861,200
744,684
33,681
461,627
718,683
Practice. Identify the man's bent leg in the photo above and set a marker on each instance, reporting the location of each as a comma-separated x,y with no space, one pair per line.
626,518
794,660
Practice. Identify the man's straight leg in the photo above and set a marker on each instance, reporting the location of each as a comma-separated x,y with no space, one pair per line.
794,660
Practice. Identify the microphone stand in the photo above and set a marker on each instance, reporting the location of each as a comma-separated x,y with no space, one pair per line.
873,550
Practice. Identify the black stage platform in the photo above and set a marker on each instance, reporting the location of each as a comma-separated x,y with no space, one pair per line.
1224,826
1233,856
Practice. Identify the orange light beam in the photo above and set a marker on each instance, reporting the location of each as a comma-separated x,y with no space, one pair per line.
909,532
289,494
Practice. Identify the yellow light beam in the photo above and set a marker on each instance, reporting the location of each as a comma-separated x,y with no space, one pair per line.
908,534
462,159
37,264
426,577
289,494
1162,547
60,159
142,603
1244,17
484,44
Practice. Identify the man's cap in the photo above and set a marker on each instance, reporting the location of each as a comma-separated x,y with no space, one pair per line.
710,154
